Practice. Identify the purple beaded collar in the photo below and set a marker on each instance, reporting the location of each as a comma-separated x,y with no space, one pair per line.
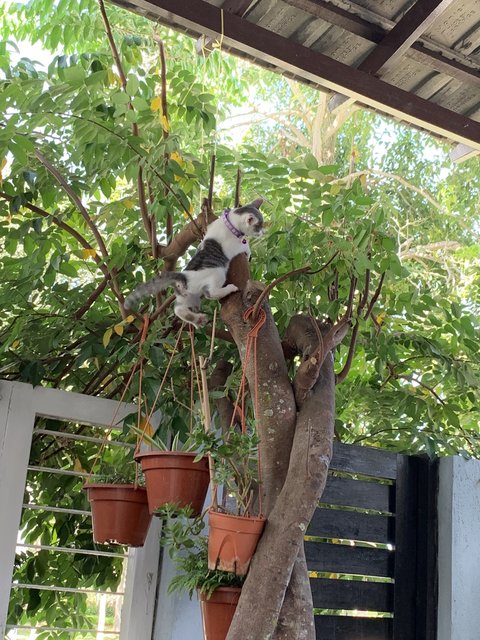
231,227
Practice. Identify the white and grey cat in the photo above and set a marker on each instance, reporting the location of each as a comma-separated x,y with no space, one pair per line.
205,274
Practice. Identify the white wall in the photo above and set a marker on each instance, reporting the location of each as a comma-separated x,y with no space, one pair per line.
176,617
459,550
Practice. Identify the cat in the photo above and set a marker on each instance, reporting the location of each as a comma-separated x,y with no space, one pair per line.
205,274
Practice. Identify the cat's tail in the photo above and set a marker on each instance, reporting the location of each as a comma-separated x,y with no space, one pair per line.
153,286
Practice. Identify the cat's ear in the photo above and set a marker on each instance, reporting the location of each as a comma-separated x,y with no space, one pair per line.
256,203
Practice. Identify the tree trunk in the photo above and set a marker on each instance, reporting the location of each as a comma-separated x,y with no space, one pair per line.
295,452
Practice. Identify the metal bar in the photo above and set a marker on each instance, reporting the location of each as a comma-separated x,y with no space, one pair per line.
243,37
407,30
66,629
42,507
48,587
74,436
86,552
60,472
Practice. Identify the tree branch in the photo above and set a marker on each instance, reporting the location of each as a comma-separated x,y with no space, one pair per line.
273,284
113,46
375,297
75,199
83,242
238,185
91,299
211,183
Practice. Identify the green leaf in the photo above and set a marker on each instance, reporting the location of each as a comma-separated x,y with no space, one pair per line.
132,85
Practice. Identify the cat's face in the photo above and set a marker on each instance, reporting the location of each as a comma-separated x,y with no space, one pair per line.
249,219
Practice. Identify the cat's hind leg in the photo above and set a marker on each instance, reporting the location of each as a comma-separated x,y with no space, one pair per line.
186,314
219,292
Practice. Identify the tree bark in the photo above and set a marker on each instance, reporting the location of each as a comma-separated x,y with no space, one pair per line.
295,451
282,540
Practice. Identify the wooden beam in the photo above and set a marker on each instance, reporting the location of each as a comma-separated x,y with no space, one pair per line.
407,30
247,39
340,18
396,42
238,7
376,33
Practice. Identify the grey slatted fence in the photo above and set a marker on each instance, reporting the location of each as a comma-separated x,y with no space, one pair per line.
371,547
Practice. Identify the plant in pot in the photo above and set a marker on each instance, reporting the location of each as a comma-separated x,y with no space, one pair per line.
218,591
233,529
174,474
118,501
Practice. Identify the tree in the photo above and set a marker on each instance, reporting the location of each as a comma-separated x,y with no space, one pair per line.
104,173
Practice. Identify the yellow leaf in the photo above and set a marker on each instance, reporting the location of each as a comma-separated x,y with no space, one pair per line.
88,253
118,328
165,124
113,78
129,204
177,157
15,344
77,466
336,188
381,317
156,104
363,180
129,319
147,427
106,336
3,164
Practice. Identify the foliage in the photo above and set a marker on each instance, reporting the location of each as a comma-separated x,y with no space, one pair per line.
235,459
389,203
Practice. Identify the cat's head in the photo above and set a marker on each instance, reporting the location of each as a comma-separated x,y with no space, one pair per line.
248,218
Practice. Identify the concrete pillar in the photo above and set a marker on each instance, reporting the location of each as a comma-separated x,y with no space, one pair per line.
459,550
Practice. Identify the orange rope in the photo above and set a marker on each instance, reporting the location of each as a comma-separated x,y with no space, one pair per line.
149,416
127,385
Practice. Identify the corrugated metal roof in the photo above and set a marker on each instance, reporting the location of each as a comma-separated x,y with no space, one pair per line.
418,61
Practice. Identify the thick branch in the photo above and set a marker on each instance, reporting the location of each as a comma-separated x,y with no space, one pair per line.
288,520
191,232
313,340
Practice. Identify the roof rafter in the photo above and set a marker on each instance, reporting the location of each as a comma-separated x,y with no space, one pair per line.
376,33
396,42
245,38
408,29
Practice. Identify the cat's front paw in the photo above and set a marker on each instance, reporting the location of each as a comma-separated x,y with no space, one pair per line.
231,288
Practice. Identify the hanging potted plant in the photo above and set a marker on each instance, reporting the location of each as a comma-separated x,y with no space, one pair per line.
234,530
217,591
174,474
233,460
119,504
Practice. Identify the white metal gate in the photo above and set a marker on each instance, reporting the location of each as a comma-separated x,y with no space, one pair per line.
20,405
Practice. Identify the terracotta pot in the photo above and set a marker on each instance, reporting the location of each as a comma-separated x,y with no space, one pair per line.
218,611
119,513
232,541
173,477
